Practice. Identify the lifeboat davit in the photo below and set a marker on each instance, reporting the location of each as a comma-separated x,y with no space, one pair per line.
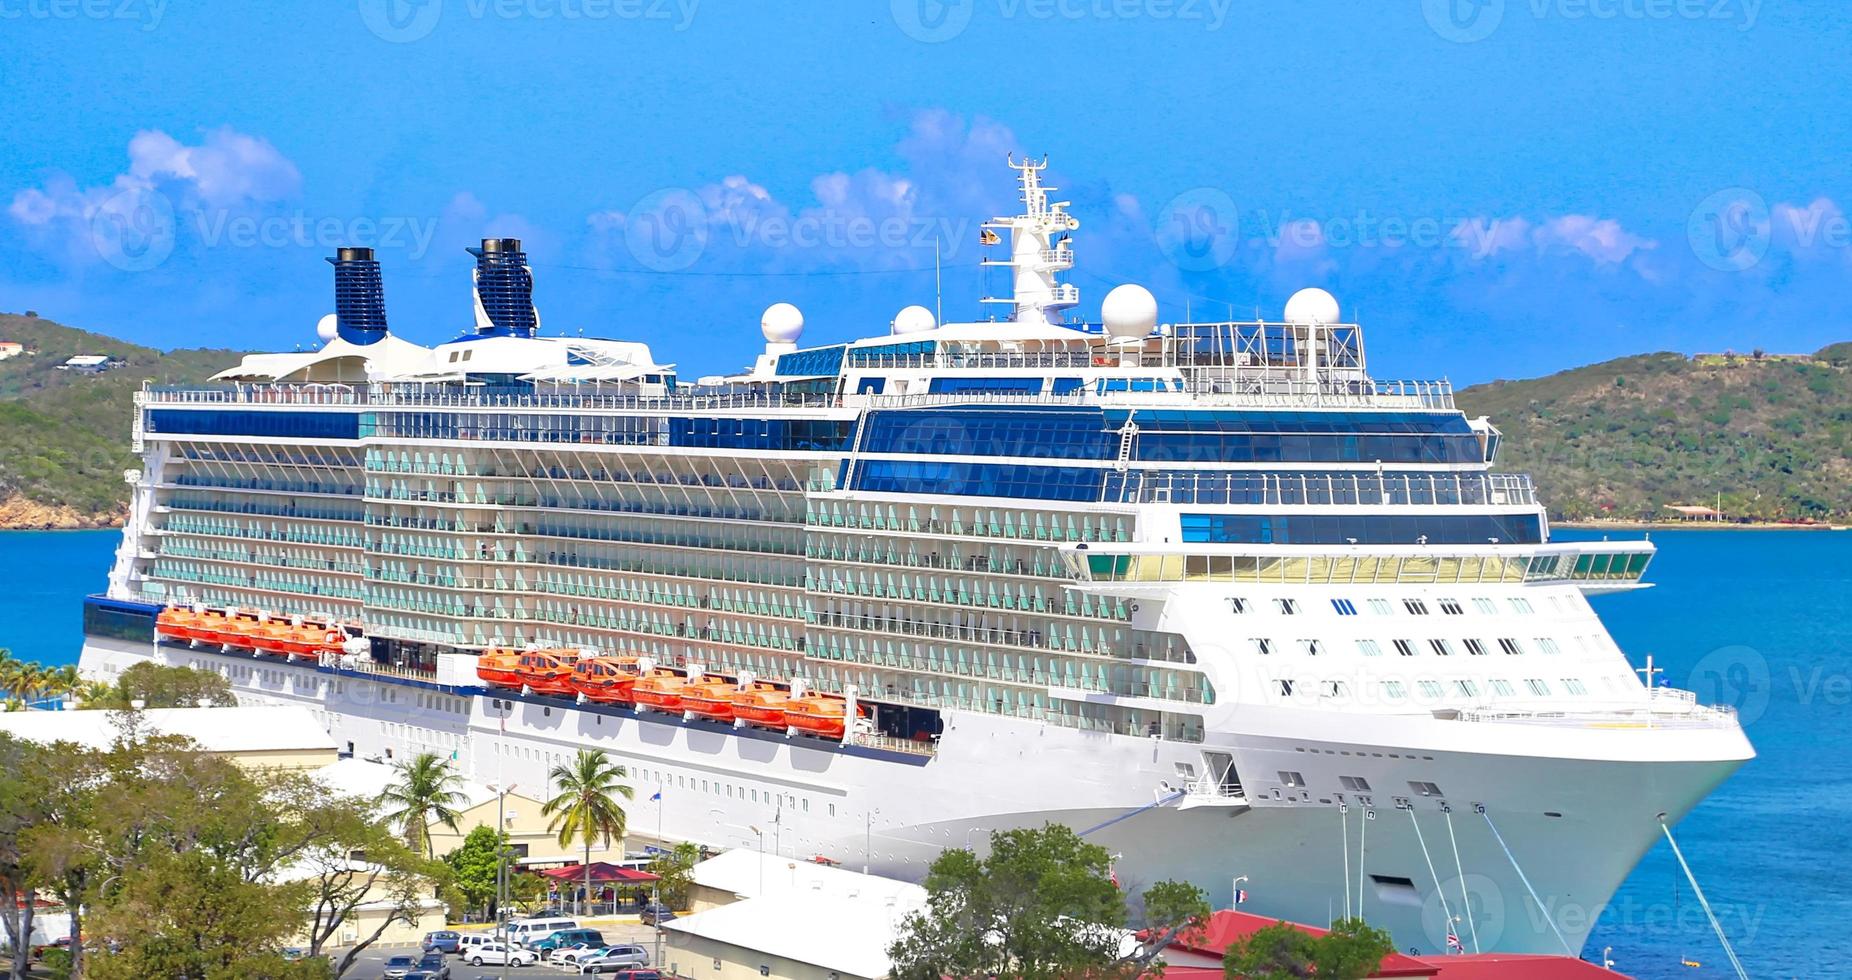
605,680
546,671
762,706
819,714
710,699
661,690
496,667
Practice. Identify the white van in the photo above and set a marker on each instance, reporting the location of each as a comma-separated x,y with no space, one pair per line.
523,931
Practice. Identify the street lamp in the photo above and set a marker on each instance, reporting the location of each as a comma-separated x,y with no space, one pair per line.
761,835
502,851
868,833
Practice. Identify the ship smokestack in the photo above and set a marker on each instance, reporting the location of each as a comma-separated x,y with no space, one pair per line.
504,290
359,296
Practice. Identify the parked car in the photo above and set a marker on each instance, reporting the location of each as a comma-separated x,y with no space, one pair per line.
655,913
636,975
433,962
565,939
442,941
397,967
585,954
614,959
499,953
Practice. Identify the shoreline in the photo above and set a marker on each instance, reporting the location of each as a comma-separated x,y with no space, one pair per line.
1694,526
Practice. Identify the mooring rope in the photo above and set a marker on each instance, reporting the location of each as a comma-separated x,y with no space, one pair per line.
1363,837
1466,902
1438,890
1344,840
1728,950
1547,917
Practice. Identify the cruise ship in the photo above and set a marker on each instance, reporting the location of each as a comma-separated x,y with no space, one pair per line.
1208,593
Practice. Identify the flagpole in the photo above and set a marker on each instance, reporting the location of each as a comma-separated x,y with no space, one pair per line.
938,287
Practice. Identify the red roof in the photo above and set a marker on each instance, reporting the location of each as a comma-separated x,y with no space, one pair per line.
1517,966
1226,926
601,872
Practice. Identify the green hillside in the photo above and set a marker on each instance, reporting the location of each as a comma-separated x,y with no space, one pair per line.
1625,437
64,436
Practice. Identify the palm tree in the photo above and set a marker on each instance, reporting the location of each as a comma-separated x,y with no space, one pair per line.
63,681
425,791
11,669
586,806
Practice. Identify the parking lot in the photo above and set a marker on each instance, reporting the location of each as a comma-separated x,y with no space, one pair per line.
372,962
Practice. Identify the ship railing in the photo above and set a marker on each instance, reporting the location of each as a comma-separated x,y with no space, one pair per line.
1239,389
892,744
1197,487
1665,708
1207,787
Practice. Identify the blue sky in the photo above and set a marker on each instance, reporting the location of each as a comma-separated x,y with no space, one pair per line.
1494,188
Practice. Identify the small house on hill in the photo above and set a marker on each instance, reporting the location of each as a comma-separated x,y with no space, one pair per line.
88,364
11,348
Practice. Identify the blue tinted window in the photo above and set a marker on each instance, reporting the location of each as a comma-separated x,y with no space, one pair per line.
979,479
1361,529
807,363
1315,437
873,355
218,422
958,386
1059,433
782,434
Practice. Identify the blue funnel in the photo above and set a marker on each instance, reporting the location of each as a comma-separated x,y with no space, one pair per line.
359,296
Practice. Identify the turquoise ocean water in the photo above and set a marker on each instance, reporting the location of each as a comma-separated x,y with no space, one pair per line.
1758,619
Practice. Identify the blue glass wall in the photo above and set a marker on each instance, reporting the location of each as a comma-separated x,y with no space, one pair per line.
1026,481
1303,437
221,422
861,356
1361,528
1074,433
783,434
809,363
986,386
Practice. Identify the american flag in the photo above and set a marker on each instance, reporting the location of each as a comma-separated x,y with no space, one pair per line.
1453,942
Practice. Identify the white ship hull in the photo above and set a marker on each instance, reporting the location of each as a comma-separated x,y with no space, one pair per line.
1576,821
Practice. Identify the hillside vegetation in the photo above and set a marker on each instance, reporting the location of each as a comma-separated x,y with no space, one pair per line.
64,436
1623,438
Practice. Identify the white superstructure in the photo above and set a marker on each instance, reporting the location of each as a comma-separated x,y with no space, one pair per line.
1206,592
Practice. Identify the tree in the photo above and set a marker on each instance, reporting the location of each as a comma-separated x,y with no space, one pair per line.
473,869
586,806
388,871
1352,950
675,873
426,791
60,847
18,812
161,686
1041,905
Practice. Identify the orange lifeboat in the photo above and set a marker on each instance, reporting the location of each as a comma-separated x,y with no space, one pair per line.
330,640
175,623
274,639
546,671
661,690
819,714
710,699
498,668
761,705
604,680
237,633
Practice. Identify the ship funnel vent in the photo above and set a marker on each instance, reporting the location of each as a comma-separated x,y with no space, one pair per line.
504,290
359,296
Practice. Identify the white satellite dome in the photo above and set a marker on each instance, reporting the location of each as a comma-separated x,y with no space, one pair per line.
914,319
327,328
781,323
1130,312
1312,306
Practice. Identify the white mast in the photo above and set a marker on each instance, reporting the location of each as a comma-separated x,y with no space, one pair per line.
1036,253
